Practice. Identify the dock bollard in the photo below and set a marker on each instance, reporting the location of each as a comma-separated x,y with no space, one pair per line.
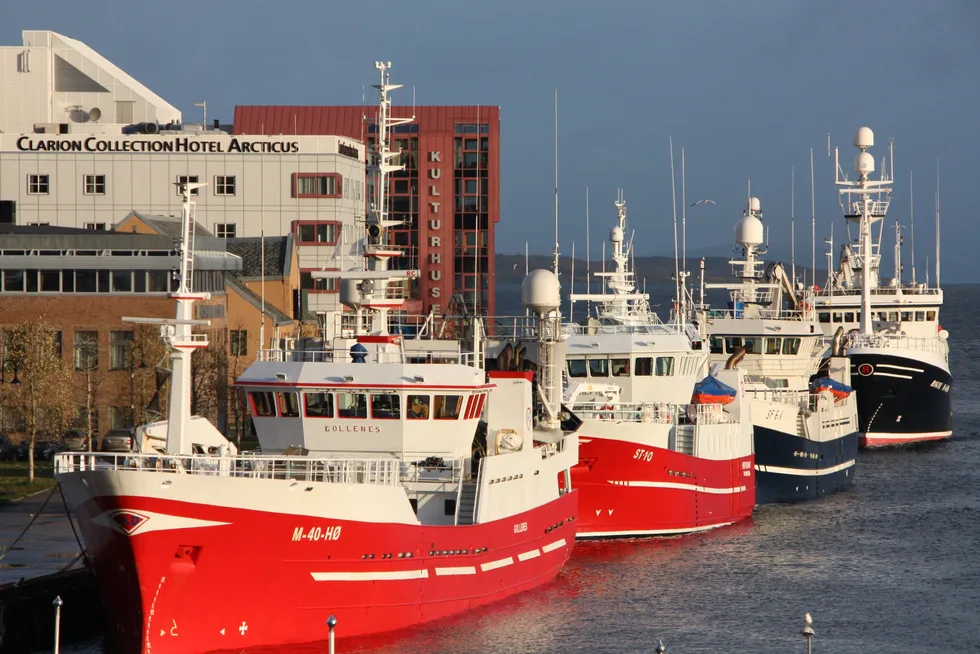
808,632
331,622
57,603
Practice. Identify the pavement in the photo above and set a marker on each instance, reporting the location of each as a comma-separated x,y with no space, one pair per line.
46,547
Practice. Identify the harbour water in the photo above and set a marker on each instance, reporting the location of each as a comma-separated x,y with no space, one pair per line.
891,566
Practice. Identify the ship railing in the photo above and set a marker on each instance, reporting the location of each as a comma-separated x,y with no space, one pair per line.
652,328
891,341
879,291
434,469
381,472
766,314
343,355
662,413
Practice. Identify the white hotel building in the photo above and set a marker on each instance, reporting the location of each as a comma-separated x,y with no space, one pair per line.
82,144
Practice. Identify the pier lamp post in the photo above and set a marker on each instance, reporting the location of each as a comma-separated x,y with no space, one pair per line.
133,349
331,623
57,604
808,632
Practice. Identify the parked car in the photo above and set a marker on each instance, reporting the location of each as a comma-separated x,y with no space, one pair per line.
8,451
76,440
117,440
43,450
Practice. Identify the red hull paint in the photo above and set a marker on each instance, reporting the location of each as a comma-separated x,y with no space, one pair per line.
247,584
630,490
876,440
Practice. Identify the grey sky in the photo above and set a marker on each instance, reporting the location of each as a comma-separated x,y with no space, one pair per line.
747,88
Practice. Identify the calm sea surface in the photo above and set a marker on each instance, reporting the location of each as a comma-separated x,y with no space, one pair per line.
890,566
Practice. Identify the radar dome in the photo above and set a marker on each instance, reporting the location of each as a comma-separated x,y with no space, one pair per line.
616,235
540,291
755,205
350,296
750,231
864,163
864,138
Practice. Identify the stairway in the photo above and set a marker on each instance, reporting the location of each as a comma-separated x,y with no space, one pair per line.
466,508
801,425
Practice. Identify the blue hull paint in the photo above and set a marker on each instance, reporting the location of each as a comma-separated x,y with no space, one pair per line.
779,449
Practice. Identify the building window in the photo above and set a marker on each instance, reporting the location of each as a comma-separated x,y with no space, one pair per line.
57,344
306,282
38,184
224,184
95,227
120,417
186,179
239,342
317,185
318,233
94,185
119,344
224,230
86,350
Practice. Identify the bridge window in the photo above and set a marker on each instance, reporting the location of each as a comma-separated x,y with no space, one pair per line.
753,346
837,317
643,367
319,405
576,368
263,404
598,367
920,316
418,407
288,405
906,316
733,344
665,366
352,405
931,316
791,345
621,367
893,316
848,316
772,345
823,316
385,406
447,407
717,346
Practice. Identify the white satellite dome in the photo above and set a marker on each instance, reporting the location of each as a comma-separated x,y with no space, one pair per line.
616,235
864,163
750,231
755,205
864,138
540,291
350,295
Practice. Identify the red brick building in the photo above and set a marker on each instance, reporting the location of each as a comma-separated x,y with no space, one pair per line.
448,195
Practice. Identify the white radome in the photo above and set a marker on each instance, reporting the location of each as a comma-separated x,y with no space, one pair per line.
616,235
864,138
755,205
540,291
349,294
750,231
864,163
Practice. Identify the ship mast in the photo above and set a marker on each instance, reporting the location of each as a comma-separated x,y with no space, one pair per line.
865,202
367,288
177,332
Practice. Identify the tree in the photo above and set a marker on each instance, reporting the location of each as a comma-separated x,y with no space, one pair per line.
42,401
149,359
209,381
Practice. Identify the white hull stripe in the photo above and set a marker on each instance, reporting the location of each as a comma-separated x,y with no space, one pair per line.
449,572
527,556
805,472
133,523
906,436
493,565
678,486
551,547
894,367
376,575
890,374
647,532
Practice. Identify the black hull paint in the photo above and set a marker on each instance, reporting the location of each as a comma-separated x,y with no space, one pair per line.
787,452
903,405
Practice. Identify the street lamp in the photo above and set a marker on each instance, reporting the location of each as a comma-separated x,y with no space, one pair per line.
132,379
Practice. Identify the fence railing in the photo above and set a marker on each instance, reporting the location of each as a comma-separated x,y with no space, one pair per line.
661,413
889,341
